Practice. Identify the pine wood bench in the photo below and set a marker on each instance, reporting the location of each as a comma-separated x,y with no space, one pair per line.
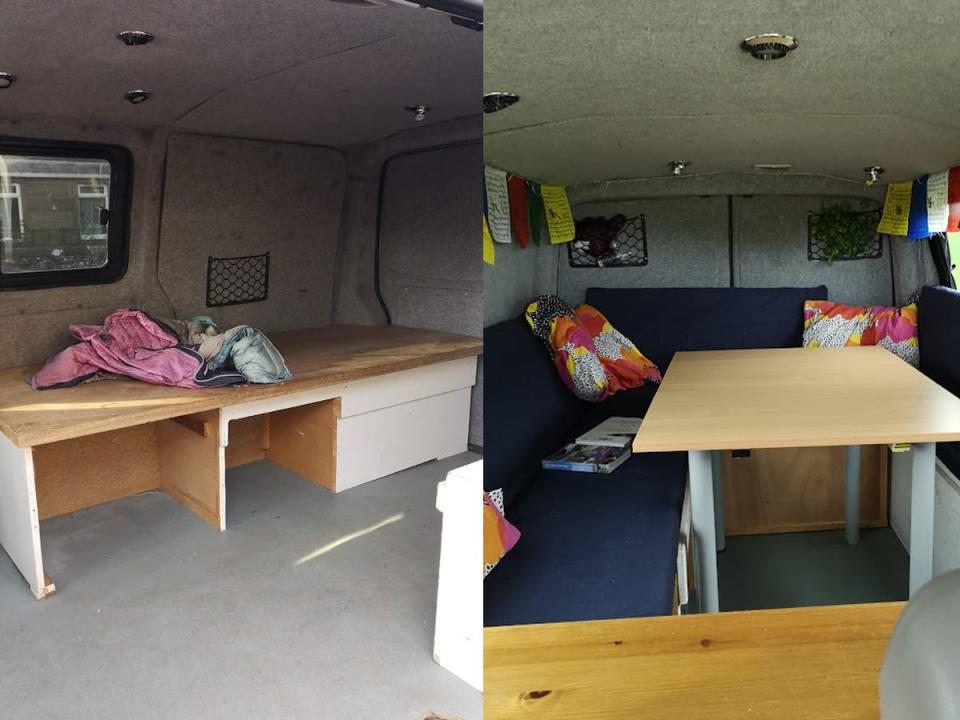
364,402
819,662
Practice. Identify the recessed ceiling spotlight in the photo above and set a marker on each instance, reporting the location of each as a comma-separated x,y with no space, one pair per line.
135,37
678,166
135,97
772,166
6,80
769,46
419,111
497,101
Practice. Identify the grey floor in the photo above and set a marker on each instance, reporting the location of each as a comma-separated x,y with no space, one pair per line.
815,568
158,615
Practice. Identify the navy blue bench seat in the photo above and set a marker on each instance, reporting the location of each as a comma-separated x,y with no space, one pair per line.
603,546
938,330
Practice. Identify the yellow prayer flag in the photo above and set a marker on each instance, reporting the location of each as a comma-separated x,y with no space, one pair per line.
896,209
559,218
489,252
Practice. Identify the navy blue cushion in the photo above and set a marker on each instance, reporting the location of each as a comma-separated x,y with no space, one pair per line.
592,547
938,320
662,321
528,412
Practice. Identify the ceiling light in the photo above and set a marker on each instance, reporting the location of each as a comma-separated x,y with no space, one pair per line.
6,80
135,37
497,101
419,111
772,166
678,166
769,46
135,97
873,174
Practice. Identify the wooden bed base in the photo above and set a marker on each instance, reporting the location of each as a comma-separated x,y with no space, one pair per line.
337,435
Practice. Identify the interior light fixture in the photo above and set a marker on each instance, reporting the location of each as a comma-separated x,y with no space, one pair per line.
873,173
678,166
135,37
135,97
497,101
768,46
6,80
419,111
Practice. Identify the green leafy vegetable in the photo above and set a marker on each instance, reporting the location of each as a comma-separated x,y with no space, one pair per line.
842,232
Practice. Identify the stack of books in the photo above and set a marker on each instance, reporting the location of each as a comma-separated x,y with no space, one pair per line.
600,450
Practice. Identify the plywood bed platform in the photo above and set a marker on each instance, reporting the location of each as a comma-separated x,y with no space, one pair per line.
364,402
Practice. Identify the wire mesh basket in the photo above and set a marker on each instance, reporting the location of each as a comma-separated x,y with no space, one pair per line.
237,280
627,249
818,250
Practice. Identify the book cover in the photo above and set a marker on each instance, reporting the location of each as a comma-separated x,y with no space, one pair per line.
577,457
612,432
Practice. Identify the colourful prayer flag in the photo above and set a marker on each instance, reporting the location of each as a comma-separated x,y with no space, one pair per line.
489,251
896,209
559,218
517,192
498,204
917,219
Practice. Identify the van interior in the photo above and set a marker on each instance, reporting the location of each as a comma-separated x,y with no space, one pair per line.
240,269
705,159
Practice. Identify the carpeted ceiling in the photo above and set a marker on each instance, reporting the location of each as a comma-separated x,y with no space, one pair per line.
310,71
617,88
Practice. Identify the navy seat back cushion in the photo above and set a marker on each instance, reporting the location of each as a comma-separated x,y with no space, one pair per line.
662,321
938,320
527,410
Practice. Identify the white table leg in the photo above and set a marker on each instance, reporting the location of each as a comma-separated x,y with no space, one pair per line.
922,488
704,529
718,509
19,517
852,502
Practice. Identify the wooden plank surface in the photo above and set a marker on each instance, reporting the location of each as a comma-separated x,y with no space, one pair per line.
190,468
304,441
795,397
318,357
812,663
800,489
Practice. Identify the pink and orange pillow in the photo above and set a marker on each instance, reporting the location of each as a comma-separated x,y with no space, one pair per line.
830,324
499,536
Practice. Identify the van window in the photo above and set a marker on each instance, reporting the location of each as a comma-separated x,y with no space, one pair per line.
63,214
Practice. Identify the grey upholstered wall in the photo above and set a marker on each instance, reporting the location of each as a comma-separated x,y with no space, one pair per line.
227,197
430,272
517,277
33,323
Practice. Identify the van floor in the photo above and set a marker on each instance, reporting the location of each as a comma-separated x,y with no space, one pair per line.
812,568
310,605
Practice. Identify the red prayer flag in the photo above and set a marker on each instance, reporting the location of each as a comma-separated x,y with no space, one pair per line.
953,200
517,192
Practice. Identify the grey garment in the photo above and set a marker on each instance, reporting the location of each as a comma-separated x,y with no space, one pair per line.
253,355
919,676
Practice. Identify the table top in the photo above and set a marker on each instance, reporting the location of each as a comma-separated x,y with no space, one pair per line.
795,397
818,663
317,357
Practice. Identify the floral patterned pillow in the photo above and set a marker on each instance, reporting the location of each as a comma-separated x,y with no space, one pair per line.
830,324
499,536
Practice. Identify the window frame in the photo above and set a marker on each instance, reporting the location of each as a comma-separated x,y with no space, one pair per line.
83,195
118,228
14,196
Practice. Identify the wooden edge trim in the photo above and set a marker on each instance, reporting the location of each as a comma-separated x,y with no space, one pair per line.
194,423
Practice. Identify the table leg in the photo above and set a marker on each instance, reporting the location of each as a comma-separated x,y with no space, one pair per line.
704,529
922,489
852,502
718,509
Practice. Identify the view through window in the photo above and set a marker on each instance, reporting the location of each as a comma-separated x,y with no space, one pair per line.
54,213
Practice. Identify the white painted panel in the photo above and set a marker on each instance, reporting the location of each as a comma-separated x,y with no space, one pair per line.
386,441
402,387
946,518
458,635
19,518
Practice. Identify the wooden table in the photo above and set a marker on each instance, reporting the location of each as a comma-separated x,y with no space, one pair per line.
812,663
797,397
364,402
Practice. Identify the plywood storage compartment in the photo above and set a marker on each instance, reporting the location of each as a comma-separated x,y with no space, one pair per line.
303,440
83,472
249,440
800,489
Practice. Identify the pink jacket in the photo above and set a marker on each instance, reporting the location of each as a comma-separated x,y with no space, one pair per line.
129,343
